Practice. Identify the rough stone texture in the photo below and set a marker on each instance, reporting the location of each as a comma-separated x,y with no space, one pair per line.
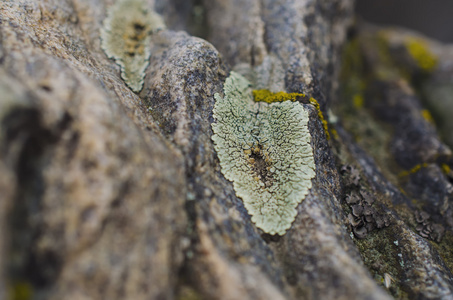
399,158
97,208
305,36
108,194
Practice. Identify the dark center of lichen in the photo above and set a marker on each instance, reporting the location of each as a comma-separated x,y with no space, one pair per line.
134,38
139,27
261,165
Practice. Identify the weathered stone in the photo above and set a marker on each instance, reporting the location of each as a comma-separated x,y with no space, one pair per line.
109,194
96,201
404,162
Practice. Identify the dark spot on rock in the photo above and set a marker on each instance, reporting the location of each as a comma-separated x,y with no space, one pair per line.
87,213
43,268
45,88
268,238
291,278
26,134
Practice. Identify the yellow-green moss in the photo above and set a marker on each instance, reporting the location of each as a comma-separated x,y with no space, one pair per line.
446,169
358,101
427,116
20,291
402,191
321,117
413,170
334,133
270,97
418,50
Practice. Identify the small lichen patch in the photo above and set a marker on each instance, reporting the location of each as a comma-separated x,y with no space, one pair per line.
126,35
264,149
419,51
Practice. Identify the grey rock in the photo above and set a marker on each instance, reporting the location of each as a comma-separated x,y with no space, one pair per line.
110,194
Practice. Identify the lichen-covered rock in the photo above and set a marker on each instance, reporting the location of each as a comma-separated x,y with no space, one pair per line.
224,240
126,38
106,193
405,175
299,34
264,149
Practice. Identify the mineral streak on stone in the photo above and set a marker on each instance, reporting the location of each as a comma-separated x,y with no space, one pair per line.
264,149
126,38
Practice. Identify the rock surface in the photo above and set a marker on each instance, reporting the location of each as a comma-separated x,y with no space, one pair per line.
111,194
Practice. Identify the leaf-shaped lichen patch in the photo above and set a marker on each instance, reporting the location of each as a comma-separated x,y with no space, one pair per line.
126,36
265,150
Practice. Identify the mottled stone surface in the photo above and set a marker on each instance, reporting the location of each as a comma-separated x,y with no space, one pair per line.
96,200
111,194
301,34
398,159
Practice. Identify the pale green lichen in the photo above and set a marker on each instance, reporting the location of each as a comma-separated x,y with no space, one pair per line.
126,37
265,150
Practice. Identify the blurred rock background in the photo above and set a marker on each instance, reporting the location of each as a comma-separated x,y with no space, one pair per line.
433,18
